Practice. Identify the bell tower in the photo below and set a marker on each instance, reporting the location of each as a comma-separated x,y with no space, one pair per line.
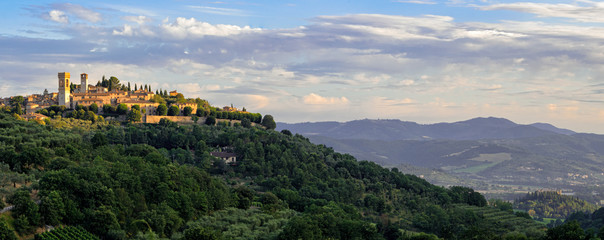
84,83
64,89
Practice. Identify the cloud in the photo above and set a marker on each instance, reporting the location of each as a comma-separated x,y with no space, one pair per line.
430,2
219,11
137,19
81,12
62,12
257,101
388,102
126,31
493,87
316,99
58,16
184,28
387,65
589,11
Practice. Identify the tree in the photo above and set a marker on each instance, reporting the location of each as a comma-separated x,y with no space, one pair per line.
201,233
137,107
101,220
246,123
158,99
173,111
16,100
98,139
25,211
18,109
567,231
52,208
94,108
122,109
5,232
114,83
187,111
180,98
601,233
211,120
162,110
269,122
301,228
134,115
108,109
245,197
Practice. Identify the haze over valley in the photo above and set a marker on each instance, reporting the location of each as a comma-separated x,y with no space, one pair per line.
493,155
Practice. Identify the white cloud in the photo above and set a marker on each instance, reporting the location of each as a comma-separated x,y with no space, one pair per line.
219,11
316,99
184,28
257,102
588,12
126,31
82,12
387,102
430,2
137,19
58,16
389,66
99,49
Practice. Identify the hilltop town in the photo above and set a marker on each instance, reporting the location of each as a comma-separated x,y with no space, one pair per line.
113,100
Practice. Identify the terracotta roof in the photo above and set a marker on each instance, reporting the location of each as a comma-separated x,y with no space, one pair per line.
89,100
138,101
91,94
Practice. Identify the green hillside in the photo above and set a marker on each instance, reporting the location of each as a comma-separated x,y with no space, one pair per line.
549,204
124,181
501,168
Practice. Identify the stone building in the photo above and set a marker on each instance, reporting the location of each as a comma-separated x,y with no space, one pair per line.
182,107
87,94
64,89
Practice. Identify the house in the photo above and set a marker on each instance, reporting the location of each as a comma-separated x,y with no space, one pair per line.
229,158
229,109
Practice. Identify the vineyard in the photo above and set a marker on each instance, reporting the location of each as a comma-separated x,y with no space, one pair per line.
505,219
67,233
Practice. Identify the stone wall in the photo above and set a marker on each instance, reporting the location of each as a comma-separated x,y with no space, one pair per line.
178,119
187,120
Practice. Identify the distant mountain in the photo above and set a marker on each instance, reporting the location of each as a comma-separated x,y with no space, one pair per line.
552,128
494,155
388,130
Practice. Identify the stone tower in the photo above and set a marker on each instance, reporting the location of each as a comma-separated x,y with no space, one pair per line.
84,83
64,89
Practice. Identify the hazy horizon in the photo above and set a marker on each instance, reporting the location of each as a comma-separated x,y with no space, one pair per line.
413,60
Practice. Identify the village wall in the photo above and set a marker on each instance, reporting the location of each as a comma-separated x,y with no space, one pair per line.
178,119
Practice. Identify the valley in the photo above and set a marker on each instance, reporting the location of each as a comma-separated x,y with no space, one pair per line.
499,158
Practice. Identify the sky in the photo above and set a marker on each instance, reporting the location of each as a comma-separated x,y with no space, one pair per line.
426,61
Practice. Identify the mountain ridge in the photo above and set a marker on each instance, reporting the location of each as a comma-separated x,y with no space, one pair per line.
394,129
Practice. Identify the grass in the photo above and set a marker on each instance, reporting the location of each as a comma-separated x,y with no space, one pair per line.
477,168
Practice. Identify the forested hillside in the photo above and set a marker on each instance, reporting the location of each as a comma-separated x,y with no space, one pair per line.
127,181
549,204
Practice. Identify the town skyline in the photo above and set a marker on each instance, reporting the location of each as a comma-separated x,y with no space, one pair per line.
423,61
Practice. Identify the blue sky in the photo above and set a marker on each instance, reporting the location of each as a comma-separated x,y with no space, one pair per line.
418,60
